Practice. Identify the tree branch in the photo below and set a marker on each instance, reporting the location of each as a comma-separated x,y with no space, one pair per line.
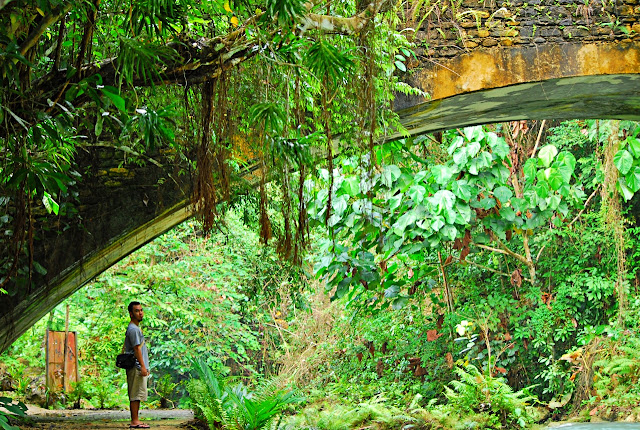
198,59
46,22
503,250
585,206
493,270
341,25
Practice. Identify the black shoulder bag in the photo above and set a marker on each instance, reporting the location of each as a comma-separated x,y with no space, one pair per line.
126,360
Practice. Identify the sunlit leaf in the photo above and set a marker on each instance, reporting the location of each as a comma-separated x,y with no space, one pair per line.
417,193
623,160
634,146
624,189
503,194
633,179
547,154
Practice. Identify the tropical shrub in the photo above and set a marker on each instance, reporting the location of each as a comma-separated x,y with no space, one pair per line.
479,393
234,407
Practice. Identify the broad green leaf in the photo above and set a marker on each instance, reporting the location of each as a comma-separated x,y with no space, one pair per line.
499,147
567,159
461,189
634,146
503,194
565,171
500,173
530,170
507,214
350,186
395,202
437,223
50,204
623,161
390,174
417,192
457,143
420,176
464,212
624,189
480,162
547,154
482,238
442,174
403,222
400,66
519,205
461,156
114,95
554,178
340,204
471,132
442,200
333,220
449,232
553,202
343,288
98,126
473,148
532,198
399,303
450,215
633,179
392,292
487,203
542,189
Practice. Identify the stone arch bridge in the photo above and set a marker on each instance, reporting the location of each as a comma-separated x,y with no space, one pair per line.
534,59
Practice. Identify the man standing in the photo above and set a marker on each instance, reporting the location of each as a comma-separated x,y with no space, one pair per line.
136,376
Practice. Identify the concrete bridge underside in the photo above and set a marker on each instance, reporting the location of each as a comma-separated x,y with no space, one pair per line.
491,85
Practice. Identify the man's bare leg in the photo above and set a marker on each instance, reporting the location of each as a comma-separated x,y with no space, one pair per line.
135,408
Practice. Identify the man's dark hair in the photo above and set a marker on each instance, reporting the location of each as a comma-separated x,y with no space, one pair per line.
131,305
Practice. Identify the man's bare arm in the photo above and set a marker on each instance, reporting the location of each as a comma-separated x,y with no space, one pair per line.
137,351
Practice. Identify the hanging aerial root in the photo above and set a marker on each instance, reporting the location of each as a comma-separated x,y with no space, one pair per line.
205,190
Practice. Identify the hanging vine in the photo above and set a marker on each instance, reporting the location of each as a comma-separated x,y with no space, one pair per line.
612,213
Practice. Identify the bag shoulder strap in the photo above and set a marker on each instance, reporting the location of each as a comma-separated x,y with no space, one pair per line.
144,341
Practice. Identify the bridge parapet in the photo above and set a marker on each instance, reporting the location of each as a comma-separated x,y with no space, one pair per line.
482,45
524,22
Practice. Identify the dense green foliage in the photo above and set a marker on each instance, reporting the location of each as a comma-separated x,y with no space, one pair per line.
473,274
416,334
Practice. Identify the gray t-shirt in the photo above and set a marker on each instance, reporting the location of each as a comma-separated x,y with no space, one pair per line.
135,337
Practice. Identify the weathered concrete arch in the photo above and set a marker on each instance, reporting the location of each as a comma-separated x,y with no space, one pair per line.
580,97
121,209
30,311
567,81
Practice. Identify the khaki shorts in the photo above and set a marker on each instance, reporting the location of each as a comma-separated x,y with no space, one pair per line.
136,385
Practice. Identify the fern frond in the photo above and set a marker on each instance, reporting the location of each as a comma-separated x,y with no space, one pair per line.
142,62
325,60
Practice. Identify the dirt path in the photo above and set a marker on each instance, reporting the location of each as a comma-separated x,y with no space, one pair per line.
157,419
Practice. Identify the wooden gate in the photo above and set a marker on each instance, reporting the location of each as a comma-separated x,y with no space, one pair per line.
61,368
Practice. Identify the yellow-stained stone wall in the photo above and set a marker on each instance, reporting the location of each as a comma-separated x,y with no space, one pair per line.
482,69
